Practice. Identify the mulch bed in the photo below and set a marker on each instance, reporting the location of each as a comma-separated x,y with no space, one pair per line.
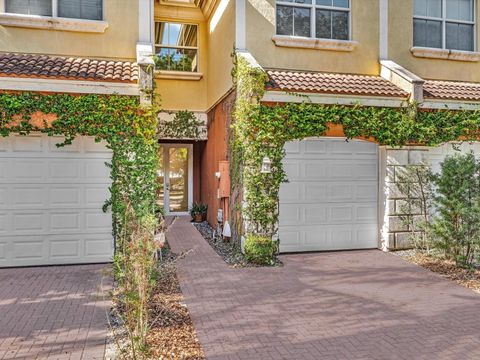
172,335
469,278
230,252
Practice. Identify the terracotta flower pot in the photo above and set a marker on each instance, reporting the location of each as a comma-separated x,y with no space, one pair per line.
198,218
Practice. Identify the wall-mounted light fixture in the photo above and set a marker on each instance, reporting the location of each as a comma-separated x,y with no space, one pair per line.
266,165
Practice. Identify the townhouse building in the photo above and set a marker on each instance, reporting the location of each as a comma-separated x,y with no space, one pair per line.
340,195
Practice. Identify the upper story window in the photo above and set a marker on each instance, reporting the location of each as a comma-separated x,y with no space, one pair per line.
176,46
322,19
444,24
76,9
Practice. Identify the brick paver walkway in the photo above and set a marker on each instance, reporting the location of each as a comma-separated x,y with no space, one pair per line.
344,305
53,312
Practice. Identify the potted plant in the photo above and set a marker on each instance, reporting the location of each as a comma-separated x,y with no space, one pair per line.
198,212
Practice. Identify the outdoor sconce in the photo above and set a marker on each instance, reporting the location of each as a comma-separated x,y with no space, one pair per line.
266,165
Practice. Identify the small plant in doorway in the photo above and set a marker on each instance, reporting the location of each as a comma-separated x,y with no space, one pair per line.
198,212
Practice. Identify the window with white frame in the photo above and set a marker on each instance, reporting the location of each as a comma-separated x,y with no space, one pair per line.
76,9
444,24
322,19
176,46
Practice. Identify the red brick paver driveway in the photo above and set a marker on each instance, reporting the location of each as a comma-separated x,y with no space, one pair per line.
345,305
53,312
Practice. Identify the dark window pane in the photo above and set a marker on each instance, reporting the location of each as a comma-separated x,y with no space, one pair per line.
284,20
29,7
301,22
340,3
80,9
324,24
427,33
339,25
459,37
324,2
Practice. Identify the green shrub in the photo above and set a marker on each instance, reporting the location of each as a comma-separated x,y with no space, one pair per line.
456,224
260,250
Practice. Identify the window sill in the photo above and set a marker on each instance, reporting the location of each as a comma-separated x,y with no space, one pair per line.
310,43
51,23
444,54
178,75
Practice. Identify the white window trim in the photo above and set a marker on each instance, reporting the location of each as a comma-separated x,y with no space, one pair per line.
312,8
444,21
53,22
310,43
172,74
444,54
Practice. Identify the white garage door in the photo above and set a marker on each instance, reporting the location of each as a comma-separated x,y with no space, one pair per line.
51,200
330,201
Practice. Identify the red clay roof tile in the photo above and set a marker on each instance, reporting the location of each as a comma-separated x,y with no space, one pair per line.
451,90
327,83
31,65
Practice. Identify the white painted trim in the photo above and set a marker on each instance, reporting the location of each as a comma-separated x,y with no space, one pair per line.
145,22
250,59
240,25
402,78
178,75
383,240
313,43
450,105
383,29
53,23
68,86
445,54
166,200
330,99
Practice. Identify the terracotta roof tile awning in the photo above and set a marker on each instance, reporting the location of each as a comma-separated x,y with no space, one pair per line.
451,90
67,68
335,84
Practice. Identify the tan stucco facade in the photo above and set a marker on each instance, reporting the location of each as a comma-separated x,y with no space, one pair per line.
215,45
260,27
401,41
117,42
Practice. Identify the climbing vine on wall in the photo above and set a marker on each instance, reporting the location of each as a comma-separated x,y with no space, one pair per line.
128,128
184,125
261,130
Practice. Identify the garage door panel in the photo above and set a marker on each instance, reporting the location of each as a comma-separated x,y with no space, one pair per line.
336,196
65,221
32,170
32,143
315,214
65,169
290,192
97,220
51,200
62,197
98,247
293,169
65,248
292,147
28,197
315,147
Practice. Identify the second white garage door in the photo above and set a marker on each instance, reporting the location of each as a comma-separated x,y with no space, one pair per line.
330,201
51,201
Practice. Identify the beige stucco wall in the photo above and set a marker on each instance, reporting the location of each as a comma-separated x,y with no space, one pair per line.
220,47
216,40
179,94
363,60
117,42
401,40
